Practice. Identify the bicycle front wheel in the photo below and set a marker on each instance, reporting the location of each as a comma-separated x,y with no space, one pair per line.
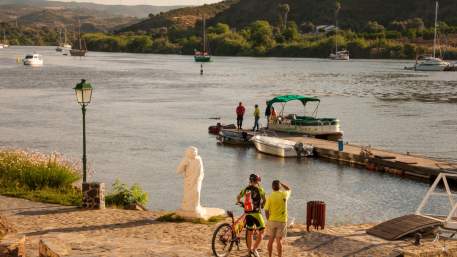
222,242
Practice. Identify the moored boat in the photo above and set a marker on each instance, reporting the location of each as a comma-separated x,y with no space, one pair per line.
81,51
432,63
280,147
33,60
218,127
340,55
233,137
325,128
202,56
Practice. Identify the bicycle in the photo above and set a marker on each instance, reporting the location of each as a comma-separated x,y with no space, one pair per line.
228,234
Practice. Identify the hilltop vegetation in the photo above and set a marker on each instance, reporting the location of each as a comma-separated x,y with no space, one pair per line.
182,17
354,14
260,38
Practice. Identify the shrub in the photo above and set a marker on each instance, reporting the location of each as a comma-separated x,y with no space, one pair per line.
123,196
36,171
39,177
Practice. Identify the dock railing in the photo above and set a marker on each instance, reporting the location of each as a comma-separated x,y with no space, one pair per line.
449,222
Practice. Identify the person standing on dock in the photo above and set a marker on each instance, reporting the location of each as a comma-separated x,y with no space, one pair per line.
256,118
276,213
239,115
267,114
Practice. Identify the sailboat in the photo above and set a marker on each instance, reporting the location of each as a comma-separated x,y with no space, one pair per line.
65,45
432,63
202,56
79,51
4,42
338,55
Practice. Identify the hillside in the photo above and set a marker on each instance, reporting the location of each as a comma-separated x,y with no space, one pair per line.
53,14
354,14
184,17
139,11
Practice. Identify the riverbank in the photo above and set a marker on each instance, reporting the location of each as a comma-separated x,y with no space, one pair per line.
115,232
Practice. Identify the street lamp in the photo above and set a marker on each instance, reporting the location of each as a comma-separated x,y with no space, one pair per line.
83,92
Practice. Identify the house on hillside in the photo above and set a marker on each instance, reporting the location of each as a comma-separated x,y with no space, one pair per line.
325,28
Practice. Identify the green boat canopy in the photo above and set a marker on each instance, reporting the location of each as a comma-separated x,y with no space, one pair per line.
287,98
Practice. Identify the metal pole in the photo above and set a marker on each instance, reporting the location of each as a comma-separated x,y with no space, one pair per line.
84,144
436,24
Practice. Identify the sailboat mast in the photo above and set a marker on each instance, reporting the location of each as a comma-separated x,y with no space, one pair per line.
336,31
436,25
204,34
79,34
65,34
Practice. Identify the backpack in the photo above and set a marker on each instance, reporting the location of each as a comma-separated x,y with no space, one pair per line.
252,199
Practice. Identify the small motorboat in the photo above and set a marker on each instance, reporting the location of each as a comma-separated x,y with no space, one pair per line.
33,60
281,147
218,127
231,137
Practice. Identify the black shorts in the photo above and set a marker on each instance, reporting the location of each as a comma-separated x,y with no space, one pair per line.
254,221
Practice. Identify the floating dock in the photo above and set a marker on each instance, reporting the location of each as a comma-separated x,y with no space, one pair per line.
406,165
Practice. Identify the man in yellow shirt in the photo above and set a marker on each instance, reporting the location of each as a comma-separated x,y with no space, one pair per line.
276,212
256,118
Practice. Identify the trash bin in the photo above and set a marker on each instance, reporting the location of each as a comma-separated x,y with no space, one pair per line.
315,215
340,145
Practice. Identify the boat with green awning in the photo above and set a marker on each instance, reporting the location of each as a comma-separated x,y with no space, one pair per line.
328,128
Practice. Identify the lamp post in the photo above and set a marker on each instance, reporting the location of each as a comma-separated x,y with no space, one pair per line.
83,92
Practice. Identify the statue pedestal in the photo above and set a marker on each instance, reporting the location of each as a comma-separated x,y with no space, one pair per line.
204,213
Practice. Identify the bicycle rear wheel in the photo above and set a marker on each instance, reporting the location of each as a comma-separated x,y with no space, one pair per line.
222,241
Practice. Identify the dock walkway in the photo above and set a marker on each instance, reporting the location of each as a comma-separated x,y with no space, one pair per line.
375,159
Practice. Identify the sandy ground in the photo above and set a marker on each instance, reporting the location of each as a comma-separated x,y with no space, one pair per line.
114,232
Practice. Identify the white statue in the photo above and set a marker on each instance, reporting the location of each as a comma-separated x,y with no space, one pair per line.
191,167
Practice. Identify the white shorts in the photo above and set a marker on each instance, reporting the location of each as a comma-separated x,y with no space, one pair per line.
277,229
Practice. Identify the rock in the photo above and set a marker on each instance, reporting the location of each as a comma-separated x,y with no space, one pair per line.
136,207
53,247
12,245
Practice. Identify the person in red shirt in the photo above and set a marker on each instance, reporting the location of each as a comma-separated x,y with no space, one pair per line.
239,115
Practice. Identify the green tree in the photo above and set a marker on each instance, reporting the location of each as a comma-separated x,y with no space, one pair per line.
219,28
261,34
307,27
139,44
283,10
374,27
291,32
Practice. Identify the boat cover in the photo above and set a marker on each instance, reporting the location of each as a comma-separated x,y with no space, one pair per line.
287,98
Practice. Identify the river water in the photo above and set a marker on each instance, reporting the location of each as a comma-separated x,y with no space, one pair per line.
147,109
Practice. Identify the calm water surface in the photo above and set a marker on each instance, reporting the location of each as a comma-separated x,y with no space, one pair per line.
147,109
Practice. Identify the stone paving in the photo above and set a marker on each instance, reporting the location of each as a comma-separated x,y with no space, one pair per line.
114,232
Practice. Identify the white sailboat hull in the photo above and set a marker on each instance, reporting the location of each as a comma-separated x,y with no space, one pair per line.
432,67
33,63
339,57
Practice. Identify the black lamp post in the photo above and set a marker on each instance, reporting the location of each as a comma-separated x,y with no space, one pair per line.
83,92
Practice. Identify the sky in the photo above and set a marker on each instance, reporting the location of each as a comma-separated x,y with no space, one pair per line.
149,2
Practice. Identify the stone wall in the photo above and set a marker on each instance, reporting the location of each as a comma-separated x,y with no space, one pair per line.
93,195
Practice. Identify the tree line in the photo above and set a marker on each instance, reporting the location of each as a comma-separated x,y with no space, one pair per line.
401,39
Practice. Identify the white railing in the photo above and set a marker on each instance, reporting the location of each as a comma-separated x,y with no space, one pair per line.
449,222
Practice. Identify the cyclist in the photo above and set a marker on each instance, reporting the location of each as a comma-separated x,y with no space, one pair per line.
254,201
